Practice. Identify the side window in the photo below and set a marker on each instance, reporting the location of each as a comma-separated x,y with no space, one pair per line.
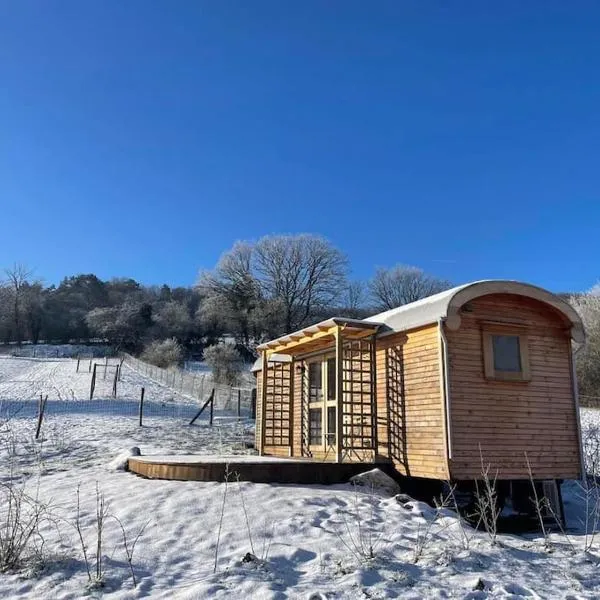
331,385
315,382
315,426
506,354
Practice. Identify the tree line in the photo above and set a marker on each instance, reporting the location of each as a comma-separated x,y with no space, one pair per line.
256,291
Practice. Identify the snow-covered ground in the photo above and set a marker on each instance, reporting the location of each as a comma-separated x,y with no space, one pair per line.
311,541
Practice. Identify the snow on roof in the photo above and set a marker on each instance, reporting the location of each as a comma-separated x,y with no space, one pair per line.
422,312
274,358
446,305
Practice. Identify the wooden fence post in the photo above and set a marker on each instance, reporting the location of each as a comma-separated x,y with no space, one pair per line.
239,404
93,382
121,366
105,365
212,408
116,378
210,399
142,404
90,367
78,361
42,408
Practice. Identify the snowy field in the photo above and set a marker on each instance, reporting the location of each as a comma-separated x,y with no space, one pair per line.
311,542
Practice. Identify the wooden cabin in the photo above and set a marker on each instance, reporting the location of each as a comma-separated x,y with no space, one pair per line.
481,373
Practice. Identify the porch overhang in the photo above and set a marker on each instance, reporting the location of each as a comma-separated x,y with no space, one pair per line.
319,337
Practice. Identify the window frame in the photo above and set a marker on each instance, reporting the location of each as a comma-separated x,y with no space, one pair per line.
324,403
489,330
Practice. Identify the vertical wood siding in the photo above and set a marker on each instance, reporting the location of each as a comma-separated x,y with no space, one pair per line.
508,419
410,412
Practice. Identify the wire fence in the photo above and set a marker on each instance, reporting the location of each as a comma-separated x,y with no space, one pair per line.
91,396
198,387
63,425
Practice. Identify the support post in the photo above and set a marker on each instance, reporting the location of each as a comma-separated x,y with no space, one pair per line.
239,404
261,414
339,393
93,382
373,375
78,361
253,404
212,408
142,404
90,365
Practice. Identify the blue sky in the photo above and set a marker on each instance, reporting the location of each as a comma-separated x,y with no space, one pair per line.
143,138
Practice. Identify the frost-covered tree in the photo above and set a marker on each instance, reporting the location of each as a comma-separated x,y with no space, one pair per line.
231,294
125,326
303,273
588,356
173,319
401,285
225,363
273,286
164,354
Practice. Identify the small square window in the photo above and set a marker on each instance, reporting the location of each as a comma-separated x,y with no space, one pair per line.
505,354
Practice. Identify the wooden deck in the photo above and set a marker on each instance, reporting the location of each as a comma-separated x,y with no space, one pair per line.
259,469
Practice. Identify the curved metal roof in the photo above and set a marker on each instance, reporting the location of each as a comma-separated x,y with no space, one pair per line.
446,305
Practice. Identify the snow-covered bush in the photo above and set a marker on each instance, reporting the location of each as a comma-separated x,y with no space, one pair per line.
590,437
225,363
163,354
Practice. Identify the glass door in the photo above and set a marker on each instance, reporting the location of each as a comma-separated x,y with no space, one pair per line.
322,411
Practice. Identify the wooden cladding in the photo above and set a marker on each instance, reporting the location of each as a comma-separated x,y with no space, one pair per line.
505,419
510,393
409,403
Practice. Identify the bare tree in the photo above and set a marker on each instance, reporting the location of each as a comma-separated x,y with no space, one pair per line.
17,279
302,272
232,292
355,299
401,285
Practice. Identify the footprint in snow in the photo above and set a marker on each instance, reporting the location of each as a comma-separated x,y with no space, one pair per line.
320,516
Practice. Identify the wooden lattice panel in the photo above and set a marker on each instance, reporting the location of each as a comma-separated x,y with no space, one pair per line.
358,400
395,403
277,409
